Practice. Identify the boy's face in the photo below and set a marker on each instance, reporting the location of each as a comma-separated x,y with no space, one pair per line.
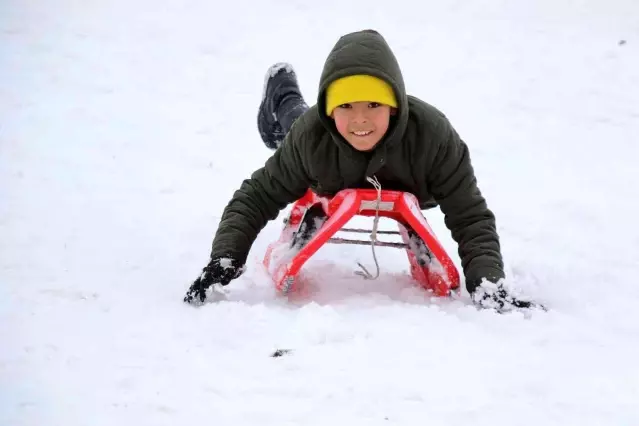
362,124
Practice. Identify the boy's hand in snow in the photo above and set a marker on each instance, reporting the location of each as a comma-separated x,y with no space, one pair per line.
220,270
489,295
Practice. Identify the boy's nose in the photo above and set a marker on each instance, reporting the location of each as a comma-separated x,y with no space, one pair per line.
360,117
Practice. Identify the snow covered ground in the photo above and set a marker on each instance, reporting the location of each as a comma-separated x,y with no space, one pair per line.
126,126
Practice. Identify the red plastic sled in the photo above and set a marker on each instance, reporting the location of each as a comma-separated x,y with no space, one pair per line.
430,264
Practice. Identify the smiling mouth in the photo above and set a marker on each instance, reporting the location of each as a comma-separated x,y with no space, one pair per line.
362,133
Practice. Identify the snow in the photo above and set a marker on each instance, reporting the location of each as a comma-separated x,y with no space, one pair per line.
271,72
226,263
126,126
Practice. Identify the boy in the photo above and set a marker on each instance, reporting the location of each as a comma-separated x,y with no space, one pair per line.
364,125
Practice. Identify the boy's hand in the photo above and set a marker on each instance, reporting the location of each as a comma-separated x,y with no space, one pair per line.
495,296
220,270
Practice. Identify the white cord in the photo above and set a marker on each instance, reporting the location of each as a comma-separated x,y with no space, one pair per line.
366,274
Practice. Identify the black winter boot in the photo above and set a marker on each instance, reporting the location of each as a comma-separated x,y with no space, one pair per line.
282,103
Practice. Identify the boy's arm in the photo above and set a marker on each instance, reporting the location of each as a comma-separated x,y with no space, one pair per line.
453,184
281,181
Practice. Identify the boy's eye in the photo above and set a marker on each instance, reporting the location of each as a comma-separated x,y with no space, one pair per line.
345,106
374,105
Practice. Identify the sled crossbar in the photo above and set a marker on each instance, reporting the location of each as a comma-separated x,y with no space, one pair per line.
368,231
366,243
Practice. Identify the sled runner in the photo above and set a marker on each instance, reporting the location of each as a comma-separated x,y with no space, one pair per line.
314,220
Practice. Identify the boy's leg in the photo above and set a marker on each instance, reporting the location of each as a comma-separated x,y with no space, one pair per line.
282,103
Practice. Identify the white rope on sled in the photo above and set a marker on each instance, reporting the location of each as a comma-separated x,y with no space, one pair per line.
364,272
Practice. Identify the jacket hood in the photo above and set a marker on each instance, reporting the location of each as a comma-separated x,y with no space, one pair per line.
364,52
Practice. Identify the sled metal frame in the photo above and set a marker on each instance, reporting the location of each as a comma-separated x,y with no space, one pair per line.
430,265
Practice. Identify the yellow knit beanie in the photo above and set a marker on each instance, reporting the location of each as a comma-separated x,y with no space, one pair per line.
358,88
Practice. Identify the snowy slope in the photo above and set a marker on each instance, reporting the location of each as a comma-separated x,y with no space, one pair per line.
126,126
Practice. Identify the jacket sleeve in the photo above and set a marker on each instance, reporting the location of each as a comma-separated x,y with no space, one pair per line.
281,181
453,184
